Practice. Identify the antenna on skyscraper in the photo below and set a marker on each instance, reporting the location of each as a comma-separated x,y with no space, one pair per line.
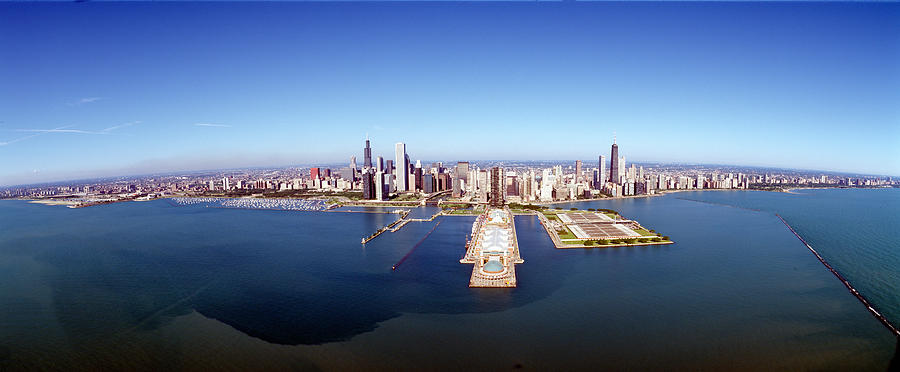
614,137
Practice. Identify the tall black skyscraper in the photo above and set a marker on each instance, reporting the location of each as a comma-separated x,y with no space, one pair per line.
614,163
367,155
368,184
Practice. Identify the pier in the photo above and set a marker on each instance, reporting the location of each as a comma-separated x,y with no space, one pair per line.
396,225
493,249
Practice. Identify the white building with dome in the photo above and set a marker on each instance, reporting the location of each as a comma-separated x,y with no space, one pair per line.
493,249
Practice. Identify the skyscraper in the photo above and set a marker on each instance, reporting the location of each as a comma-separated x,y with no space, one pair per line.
378,185
601,179
402,167
462,171
368,185
614,162
577,171
428,183
380,166
418,173
460,176
367,155
497,187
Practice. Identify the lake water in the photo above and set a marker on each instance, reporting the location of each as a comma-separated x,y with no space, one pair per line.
153,285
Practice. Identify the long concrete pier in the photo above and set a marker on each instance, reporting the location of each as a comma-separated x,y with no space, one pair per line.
493,248
396,225
847,284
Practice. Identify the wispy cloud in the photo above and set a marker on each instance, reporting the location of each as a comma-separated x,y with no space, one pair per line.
60,130
212,125
120,126
85,100
66,130
20,139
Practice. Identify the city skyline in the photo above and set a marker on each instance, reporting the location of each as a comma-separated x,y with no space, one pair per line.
758,92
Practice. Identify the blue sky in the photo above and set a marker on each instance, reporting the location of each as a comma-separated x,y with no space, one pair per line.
97,89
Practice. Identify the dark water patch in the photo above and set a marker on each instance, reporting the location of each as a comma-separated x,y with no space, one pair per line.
894,366
265,285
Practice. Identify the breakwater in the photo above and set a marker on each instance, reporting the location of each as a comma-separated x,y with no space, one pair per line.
847,284
396,265
390,227
720,204
398,224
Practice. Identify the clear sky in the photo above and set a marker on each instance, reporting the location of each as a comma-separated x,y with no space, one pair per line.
98,89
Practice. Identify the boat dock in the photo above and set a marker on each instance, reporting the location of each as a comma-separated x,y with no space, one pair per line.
493,249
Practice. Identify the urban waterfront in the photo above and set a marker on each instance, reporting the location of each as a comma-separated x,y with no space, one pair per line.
153,285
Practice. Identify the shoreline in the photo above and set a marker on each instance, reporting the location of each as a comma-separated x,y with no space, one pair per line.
664,193
416,203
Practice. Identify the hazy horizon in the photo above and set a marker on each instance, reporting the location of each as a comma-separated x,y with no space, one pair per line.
588,163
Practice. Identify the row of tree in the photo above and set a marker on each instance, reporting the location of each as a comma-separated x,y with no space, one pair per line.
626,241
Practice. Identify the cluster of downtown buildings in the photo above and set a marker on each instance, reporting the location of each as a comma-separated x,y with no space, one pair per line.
378,179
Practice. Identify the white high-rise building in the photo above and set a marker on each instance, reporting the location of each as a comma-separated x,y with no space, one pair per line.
401,166
603,175
548,180
379,185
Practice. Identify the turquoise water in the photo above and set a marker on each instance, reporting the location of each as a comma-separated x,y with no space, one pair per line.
856,230
153,286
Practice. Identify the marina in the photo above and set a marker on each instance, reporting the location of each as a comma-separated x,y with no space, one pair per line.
257,203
